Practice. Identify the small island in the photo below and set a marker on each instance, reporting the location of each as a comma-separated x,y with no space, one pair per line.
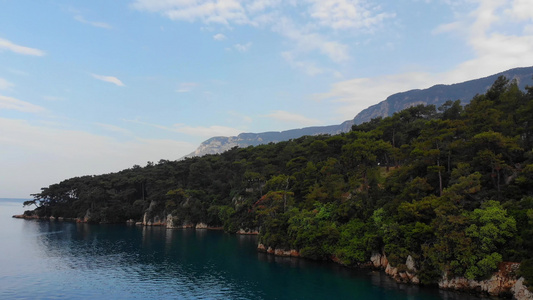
434,196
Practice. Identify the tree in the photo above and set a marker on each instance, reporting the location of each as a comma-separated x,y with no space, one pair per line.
490,229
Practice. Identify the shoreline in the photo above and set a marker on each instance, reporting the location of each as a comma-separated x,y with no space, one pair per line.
502,284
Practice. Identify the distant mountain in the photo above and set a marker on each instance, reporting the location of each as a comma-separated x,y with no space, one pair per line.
220,144
437,95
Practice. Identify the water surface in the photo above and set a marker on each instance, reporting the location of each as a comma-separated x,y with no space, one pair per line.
63,260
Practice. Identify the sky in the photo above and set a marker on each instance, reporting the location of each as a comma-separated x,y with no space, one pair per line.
93,87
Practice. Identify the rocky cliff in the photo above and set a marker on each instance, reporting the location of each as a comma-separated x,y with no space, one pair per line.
503,283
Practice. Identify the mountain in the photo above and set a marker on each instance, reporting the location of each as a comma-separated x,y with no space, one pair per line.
437,95
220,144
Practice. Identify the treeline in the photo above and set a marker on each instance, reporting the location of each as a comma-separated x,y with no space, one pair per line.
452,187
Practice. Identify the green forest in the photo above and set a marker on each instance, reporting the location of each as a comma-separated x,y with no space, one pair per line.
451,186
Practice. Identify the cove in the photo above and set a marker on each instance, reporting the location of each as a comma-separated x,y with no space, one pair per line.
63,260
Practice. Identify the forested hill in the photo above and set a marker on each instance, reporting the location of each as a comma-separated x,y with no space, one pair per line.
435,95
448,186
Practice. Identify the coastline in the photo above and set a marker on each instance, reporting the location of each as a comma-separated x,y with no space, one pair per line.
503,284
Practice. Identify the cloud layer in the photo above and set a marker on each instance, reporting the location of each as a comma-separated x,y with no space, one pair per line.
53,154
309,32
110,79
10,103
10,46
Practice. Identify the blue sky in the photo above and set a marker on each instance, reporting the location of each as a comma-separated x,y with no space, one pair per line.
91,87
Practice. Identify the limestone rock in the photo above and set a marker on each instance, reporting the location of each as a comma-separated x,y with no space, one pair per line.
410,263
248,231
170,221
201,226
501,283
376,260
520,291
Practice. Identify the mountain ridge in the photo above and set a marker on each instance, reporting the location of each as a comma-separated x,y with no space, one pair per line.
436,94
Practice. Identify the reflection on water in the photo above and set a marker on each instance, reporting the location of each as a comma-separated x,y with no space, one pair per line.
65,260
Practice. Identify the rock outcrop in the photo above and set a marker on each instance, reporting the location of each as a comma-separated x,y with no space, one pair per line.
379,261
520,291
201,226
502,283
278,251
153,221
248,231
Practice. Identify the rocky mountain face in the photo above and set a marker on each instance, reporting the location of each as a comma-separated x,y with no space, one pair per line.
220,144
436,95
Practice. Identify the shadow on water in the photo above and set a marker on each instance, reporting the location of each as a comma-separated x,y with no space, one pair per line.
118,261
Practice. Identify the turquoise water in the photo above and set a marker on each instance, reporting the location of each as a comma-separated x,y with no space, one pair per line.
63,260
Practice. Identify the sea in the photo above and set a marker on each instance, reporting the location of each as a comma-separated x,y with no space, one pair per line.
65,260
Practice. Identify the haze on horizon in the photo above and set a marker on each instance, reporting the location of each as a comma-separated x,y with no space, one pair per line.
98,86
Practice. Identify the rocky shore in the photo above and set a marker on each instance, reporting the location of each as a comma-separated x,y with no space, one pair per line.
503,283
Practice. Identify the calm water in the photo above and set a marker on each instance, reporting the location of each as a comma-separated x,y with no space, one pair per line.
62,260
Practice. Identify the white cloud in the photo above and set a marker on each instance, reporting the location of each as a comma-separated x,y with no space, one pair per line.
354,95
205,131
113,128
308,67
262,5
308,30
11,103
219,37
207,11
92,23
186,87
305,42
243,47
201,131
8,45
482,29
236,116
50,155
521,9
109,79
4,84
346,14
288,117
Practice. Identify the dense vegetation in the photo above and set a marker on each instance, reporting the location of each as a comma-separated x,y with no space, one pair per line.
452,187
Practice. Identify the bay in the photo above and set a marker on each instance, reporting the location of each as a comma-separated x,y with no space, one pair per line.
65,260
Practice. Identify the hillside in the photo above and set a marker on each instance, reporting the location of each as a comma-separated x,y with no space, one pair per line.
435,95
423,192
